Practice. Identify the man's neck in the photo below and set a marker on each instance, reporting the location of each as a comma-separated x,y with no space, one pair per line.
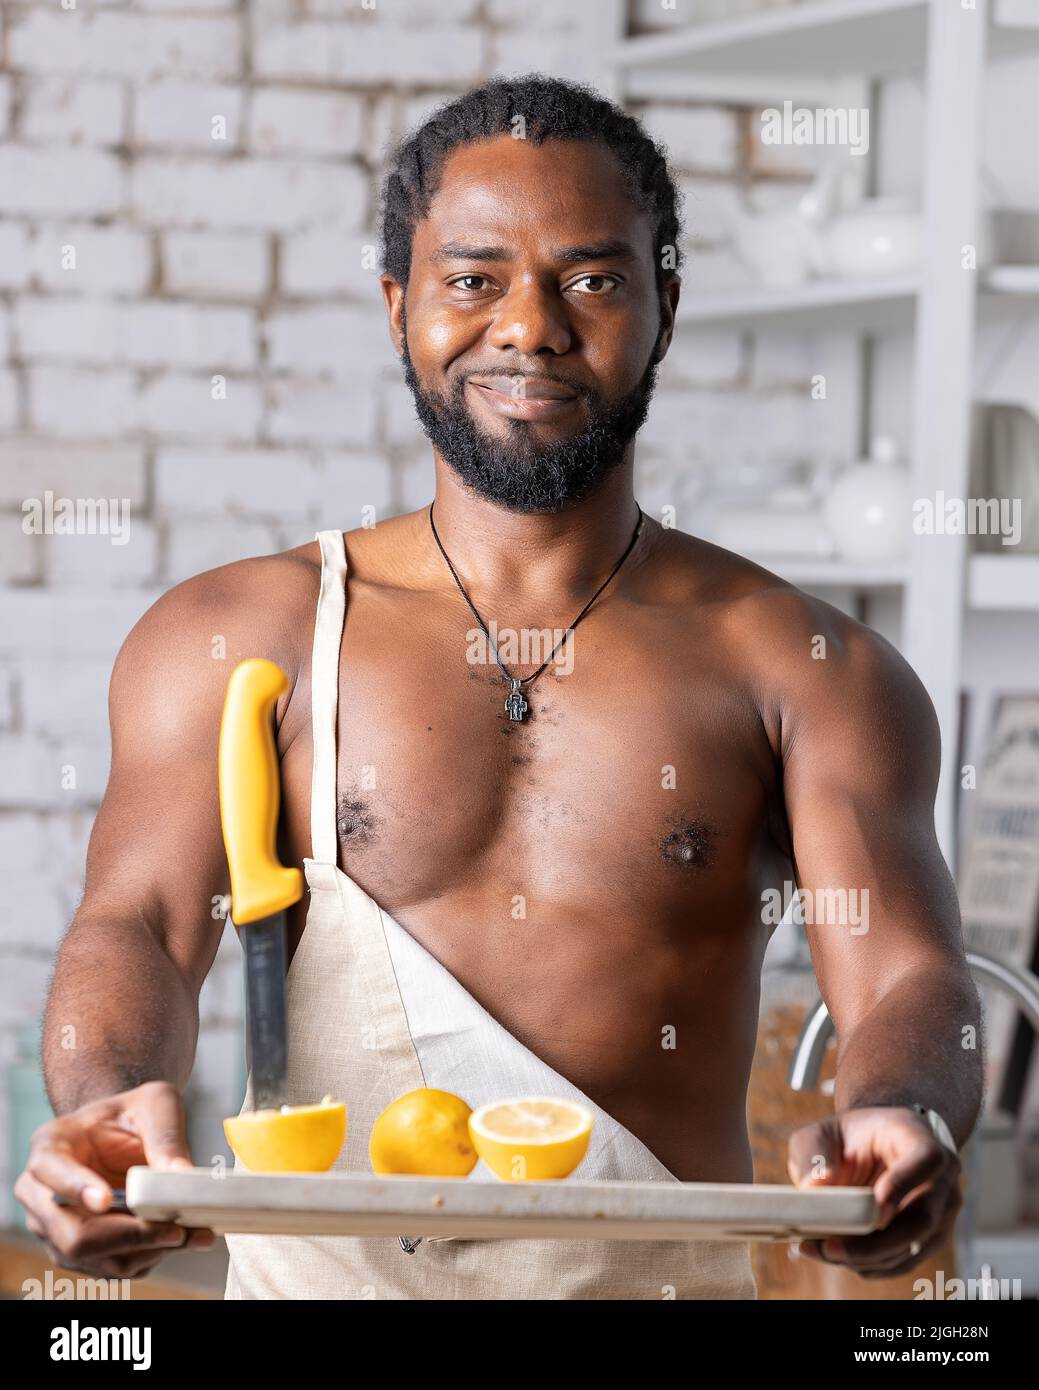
555,557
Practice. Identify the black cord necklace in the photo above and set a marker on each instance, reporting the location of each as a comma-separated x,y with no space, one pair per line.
515,705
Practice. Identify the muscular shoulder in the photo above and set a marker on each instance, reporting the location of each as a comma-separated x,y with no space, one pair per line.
250,607
179,655
808,665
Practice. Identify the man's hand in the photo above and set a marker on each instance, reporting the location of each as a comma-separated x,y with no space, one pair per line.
914,1177
82,1156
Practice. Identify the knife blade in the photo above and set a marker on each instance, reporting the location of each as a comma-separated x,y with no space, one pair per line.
262,888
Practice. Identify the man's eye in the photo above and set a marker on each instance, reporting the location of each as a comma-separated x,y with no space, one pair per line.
598,285
465,282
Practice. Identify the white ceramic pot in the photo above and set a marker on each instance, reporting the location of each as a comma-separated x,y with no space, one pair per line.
883,236
869,509
780,248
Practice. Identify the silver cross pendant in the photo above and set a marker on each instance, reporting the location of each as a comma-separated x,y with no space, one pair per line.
515,705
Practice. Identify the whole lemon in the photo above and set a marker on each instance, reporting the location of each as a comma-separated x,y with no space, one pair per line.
424,1132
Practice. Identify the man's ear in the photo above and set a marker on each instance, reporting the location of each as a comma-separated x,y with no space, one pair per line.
669,296
393,294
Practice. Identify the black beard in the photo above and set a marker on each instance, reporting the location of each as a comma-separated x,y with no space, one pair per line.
516,473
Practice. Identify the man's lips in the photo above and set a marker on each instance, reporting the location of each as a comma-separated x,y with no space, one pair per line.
521,387
523,397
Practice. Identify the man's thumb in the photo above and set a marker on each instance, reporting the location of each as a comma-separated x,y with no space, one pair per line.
159,1113
815,1154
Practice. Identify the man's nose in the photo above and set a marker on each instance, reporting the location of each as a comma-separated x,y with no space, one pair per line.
531,318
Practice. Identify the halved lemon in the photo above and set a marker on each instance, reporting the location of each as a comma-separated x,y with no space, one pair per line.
424,1132
532,1139
294,1139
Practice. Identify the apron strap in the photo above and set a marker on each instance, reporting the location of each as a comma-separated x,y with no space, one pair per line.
324,695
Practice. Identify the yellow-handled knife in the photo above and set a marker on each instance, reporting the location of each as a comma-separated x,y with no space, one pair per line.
262,888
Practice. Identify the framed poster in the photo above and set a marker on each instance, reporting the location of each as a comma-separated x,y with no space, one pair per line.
999,883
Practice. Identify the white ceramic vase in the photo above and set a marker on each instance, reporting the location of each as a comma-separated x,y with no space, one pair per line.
869,509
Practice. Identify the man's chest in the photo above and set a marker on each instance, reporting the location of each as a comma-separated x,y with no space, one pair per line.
639,772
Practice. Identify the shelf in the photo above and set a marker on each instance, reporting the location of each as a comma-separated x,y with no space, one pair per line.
867,38
1003,583
874,305
1020,281
1007,583
838,574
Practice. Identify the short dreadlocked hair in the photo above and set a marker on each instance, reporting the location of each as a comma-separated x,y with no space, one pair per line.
551,109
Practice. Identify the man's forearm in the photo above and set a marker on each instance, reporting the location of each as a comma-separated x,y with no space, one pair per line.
920,1042
120,1013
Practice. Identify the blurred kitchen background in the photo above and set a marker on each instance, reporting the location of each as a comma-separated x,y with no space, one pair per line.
188,190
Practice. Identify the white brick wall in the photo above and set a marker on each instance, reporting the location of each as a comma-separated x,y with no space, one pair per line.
90,562
8,400
364,54
325,341
29,466
64,694
184,406
289,121
195,545
51,774
74,110
14,255
78,258
200,265
201,482
317,412
61,182
247,194
21,555
324,263
189,116
149,334
134,46
37,622
71,403
8,695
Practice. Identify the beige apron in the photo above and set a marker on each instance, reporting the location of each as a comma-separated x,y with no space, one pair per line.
373,1015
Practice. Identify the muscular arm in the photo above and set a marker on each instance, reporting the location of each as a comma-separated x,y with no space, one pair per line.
123,1005
860,752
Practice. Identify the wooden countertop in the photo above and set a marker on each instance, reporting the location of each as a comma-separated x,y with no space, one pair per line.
183,1274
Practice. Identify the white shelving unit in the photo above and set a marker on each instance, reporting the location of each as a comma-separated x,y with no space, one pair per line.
1003,583
829,52
842,574
864,306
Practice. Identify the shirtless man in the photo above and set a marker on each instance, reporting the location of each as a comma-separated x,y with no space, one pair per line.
720,733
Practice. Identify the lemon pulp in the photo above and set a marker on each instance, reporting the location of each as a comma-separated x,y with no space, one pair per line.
531,1139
